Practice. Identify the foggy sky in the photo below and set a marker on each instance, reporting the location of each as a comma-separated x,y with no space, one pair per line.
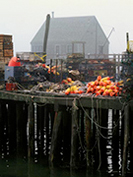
23,18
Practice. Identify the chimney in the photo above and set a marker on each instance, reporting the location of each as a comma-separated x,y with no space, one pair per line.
52,14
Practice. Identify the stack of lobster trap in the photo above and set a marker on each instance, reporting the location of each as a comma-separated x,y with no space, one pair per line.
6,52
127,70
127,75
6,48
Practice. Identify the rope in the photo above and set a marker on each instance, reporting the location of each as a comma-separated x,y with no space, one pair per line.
83,147
41,105
97,125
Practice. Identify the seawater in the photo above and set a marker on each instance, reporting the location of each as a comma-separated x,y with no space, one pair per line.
22,168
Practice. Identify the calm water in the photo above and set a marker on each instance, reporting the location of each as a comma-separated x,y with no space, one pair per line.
22,168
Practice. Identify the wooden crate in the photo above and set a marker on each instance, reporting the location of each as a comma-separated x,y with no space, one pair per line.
8,53
5,59
5,37
1,45
7,45
2,65
1,50
1,54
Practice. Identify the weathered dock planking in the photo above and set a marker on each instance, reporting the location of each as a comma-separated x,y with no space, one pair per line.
74,130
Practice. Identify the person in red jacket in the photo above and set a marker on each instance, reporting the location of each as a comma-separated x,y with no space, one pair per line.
14,62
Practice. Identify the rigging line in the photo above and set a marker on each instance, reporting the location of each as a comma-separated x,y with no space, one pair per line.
76,108
92,118
105,137
41,104
98,129
83,147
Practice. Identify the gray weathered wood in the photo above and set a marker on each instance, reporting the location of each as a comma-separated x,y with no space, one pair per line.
54,156
30,130
74,136
126,139
88,138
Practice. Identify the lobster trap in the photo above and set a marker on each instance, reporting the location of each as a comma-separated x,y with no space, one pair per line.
127,75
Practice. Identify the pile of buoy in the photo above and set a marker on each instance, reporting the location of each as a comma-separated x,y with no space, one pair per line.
105,87
73,88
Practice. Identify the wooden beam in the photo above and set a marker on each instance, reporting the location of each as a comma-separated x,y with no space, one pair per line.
62,99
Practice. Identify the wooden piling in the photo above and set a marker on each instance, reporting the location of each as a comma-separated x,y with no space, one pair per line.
40,131
30,129
103,137
66,136
1,128
131,140
122,122
126,139
74,136
4,130
12,127
115,139
81,137
88,137
46,131
21,126
54,157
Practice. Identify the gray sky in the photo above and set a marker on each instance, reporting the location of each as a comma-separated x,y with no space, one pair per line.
23,18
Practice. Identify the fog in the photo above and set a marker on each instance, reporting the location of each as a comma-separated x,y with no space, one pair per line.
23,18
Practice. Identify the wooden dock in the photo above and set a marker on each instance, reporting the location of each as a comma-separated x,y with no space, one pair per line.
75,130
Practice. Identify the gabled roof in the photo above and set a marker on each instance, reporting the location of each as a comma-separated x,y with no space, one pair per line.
66,29
39,35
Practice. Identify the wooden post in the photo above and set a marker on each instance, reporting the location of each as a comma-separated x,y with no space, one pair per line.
54,158
46,130
4,130
74,136
88,137
52,111
21,123
126,139
82,142
1,127
40,130
131,140
31,130
122,133
101,132
103,137
66,133
12,127
115,140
